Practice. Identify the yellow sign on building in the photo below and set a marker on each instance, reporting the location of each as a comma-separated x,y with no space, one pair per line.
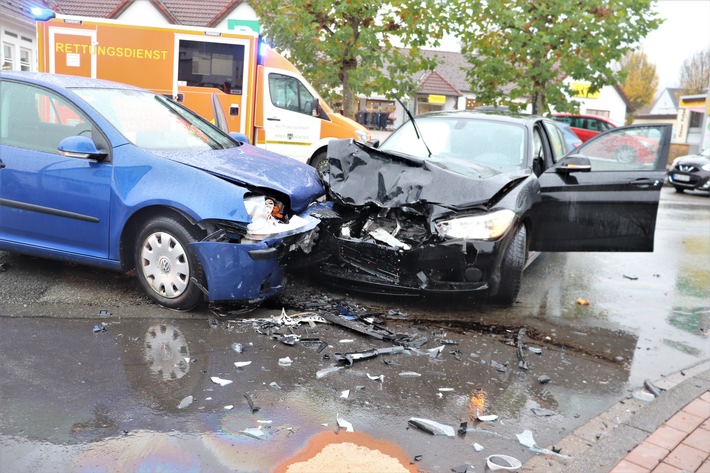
440,99
581,90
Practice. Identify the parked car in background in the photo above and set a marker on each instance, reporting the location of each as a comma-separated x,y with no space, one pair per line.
110,175
585,126
691,172
460,202
571,137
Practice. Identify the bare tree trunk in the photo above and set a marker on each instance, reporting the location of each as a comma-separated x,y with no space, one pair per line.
348,97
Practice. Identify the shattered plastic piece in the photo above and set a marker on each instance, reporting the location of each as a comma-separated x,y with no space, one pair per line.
104,313
445,390
242,364
499,367
254,409
652,388
432,427
478,447
418,458
326,371
345,394
460,469
285,361
536,350
540,412
503,462
185,402
380,234
220,381
543,379
229,407
274,384
344,424
99,329
255,432
380,378
347,340
644,396
237,347
522,362
526,439
488,418
409,374
435,352
581,301
361,355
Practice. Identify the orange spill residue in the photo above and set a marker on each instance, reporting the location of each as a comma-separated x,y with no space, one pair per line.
477,404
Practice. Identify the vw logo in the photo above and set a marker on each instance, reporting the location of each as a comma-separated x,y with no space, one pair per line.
165,265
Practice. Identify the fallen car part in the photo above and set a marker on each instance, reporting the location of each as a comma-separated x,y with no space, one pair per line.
220,381
648,384
242,364
503,462
344,424
254,409
326,371
363,355
522,362
526,439
255,432
432,427
186,402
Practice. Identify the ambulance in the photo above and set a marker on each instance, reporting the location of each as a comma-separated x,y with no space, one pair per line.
229,77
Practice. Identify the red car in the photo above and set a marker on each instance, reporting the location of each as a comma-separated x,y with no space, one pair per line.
585,126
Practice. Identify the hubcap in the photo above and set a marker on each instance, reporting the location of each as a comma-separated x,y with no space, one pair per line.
165,265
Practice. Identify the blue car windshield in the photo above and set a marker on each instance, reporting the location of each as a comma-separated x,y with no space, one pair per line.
153,122
462,144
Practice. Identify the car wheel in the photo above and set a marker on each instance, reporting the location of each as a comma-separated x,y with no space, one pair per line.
678,189
169,272
625,155
511,271
320,162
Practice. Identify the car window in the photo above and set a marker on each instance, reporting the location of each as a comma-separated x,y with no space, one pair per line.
153,122
289,93
557,141
624,149
457,142
35,118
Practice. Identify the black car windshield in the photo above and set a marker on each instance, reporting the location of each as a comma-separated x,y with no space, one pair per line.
153,122
462,144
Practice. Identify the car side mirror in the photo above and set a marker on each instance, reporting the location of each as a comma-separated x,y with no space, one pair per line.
574,163
240,137
80,147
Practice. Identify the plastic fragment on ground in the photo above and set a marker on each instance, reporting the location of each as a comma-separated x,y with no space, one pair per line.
99,329
410,374
460,469
581,301
488,418
285,361
653,389
346,340
631,278
254,409
326,371
220,381
237,347
478,447
643,395
543,379
526,439
254,432
242,364
499,367
229,407
274,384
344,424
503,462
536,350
435,352
186,402
345,394
380,378
432,427
446,390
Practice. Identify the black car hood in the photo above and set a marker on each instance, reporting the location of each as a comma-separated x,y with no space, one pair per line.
360,175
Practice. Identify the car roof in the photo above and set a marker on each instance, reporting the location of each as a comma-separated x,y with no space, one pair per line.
508,117
62,80
581,115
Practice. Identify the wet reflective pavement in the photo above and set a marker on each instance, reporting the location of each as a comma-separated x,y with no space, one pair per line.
76,399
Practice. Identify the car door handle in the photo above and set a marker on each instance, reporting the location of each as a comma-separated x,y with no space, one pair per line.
274,119
645,183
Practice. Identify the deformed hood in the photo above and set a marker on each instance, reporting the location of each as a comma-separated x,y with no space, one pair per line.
256,167
361,175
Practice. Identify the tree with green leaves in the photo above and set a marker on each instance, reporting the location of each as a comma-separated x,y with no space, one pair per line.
640,80
524,50
342,46
695,73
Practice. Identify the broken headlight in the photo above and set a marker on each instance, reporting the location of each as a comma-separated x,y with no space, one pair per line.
268,219
489,226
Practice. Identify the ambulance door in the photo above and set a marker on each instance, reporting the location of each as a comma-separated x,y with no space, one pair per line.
70,51
215,66
292,122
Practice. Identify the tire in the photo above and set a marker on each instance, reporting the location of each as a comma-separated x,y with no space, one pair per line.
511,271
320,162
678,189
625,155
166,268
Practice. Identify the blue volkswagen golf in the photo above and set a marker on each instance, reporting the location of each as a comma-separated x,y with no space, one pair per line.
110,175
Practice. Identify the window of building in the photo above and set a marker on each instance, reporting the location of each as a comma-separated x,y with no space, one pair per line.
599,113
25,59
696,120
7,56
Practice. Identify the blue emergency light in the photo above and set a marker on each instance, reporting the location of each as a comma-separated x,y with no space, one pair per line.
42,14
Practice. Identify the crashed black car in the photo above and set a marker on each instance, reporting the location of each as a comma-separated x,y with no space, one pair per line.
458,201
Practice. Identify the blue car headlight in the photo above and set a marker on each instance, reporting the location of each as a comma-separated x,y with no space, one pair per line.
489,226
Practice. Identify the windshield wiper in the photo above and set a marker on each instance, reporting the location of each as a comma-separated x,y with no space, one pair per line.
416,128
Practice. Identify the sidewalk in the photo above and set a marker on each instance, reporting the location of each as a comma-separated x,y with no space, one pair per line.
669,434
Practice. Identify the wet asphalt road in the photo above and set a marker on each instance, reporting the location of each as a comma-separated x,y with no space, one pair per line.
76,400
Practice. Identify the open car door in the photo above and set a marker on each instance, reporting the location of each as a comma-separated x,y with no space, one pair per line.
604,195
